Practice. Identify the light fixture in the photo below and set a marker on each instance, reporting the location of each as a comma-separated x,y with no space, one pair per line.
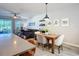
15,16
46,16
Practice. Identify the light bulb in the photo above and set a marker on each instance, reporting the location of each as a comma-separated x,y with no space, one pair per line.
15,17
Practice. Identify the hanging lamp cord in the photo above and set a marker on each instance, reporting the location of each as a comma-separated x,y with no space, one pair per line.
46,7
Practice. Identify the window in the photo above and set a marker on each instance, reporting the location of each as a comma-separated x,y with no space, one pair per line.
5,26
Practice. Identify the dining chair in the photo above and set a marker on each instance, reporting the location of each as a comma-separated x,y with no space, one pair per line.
37,32
41,40
59,42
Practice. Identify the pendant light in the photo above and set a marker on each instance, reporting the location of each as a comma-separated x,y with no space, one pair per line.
46,16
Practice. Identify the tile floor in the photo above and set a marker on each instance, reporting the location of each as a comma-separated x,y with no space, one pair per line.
67,51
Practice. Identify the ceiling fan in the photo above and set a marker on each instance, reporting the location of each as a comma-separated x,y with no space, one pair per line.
15,15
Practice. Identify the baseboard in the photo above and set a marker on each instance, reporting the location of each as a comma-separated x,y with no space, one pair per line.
71,44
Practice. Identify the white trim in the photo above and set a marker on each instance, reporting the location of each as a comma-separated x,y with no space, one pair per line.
71,44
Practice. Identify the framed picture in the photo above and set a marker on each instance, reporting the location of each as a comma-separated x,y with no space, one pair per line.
42,25
65,22
56,22
32,24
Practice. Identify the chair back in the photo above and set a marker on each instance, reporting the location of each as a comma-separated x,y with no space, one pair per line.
37,32
59,40
41,39
38,38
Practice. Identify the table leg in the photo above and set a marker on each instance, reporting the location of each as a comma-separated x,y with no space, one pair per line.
53,46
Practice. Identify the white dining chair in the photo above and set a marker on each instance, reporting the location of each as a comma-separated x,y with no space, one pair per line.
37,32
59,42
39,40
42,40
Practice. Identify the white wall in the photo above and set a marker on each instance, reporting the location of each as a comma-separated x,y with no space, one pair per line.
72,31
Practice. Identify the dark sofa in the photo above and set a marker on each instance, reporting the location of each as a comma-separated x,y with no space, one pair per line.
29,33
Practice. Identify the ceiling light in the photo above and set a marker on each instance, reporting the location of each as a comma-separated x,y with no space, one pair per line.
15,16
46,18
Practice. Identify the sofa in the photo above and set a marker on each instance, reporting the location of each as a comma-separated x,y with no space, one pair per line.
30,33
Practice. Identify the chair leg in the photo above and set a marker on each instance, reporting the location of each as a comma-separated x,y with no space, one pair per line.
38,44
43,46
59,49
49,46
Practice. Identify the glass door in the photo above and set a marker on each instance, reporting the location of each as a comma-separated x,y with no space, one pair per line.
17,26
5,26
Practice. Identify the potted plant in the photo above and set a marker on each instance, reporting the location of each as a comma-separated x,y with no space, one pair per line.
46,31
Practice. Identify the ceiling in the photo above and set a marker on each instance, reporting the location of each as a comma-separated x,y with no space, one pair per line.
32,9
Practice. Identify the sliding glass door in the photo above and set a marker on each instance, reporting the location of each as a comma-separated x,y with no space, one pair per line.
17,26
5,26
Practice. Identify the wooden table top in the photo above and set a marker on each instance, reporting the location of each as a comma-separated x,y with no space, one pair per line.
11,44
51,36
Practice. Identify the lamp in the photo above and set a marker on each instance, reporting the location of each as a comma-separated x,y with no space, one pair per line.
46,18
15,16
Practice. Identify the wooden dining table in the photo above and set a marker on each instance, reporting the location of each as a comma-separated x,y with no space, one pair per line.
51,37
